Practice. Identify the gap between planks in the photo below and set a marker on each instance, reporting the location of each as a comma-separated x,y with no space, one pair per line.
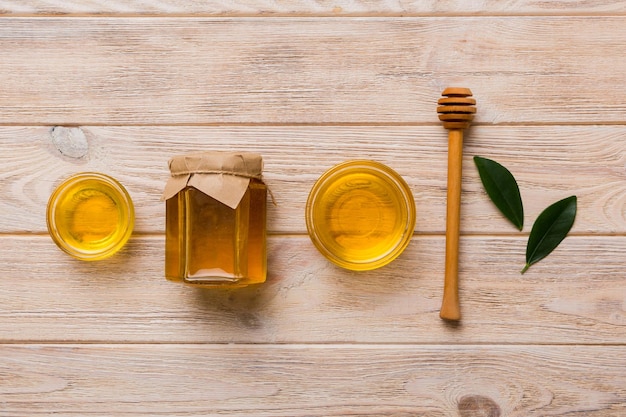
302,15
297,346
309,124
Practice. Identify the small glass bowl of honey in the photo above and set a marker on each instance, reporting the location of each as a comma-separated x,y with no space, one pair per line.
90,216
360,215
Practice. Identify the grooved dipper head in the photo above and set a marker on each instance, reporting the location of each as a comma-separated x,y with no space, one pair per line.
457,108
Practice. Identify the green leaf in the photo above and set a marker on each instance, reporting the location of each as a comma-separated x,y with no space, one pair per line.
550,229
502,189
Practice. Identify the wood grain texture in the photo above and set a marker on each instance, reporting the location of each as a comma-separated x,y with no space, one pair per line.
575,296
120,86
298,70
310,7
549,162
472,381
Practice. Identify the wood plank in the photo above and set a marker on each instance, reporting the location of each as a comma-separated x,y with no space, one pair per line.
575,296
315,8
297,70
550,162
512,381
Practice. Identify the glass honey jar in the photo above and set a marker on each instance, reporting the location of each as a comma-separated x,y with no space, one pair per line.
215,219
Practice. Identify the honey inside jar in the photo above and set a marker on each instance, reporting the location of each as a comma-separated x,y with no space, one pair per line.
360,215
90,216
209,243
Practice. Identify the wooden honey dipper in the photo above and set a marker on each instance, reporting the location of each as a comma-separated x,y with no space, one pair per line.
456,110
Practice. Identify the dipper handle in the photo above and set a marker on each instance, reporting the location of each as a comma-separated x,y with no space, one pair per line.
456,111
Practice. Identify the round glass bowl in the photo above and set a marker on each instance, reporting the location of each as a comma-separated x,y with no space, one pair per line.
360,215
90,216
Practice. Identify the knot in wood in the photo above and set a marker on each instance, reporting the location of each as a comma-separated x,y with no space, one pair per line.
478,406
70,141
457,108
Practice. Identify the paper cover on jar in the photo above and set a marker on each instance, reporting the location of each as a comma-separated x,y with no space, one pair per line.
223,176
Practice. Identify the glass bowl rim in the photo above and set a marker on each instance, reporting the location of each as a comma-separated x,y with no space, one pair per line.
127,209
393,180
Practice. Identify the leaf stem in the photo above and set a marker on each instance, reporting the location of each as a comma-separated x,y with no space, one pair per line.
525,268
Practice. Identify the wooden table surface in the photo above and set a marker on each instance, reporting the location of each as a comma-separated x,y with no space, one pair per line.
120,87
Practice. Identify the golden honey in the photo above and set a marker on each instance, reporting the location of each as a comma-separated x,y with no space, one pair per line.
208,242
90,216
360,215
